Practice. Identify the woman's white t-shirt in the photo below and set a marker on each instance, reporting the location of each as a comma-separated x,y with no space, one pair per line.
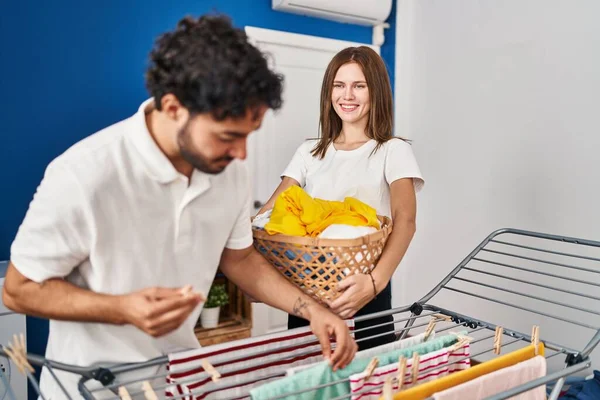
359,173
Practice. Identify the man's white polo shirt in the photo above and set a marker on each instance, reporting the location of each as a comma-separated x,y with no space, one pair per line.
114,216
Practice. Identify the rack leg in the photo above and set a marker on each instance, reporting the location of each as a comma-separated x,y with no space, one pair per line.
557,388
7,389
408,325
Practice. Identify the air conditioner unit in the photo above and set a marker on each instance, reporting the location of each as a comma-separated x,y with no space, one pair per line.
361,12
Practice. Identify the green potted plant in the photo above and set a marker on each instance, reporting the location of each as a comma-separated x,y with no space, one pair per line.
217,297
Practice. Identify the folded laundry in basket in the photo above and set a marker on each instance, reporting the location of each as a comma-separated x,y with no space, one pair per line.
298,214
343,231
261,219
335,231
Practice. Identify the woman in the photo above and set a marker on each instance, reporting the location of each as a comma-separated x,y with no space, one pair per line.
358,156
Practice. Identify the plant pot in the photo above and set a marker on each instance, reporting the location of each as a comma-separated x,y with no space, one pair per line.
210,317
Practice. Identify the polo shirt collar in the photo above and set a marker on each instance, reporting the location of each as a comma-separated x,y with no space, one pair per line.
157,164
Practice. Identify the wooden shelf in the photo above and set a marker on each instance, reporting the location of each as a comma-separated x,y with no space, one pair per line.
235,321
226,331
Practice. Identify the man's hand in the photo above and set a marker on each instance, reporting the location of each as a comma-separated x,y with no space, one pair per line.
357,293
325,325
159,311
244,265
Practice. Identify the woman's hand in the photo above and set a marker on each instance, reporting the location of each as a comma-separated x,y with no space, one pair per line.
357,292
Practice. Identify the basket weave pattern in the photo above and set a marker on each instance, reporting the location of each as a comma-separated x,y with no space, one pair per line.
316,265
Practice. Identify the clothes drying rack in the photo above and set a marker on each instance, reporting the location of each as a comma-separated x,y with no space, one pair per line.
513,279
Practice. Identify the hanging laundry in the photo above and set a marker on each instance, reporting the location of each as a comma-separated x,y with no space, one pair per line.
374,351
298,214
500,381
256,358
322,373
432,366
428,389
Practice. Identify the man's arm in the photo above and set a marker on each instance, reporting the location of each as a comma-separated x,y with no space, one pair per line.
156,311
256,277
57,299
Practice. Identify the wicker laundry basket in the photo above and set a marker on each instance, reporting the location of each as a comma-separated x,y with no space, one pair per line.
316,265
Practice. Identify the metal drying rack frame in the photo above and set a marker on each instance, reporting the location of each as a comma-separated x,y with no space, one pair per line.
500,251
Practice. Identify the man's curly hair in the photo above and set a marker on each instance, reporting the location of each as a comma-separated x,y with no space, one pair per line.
211,67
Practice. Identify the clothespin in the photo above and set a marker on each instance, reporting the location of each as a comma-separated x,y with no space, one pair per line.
415,368
15,359
462,340
370,368
215,375
443,317
401,372
388,389
148,391
498,339
535,338
123,393
461,336
18,354
435,318
429,328
460,343
188,290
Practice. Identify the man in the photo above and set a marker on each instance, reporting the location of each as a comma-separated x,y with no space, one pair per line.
125,219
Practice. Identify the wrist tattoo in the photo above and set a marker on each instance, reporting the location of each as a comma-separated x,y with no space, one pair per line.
299,307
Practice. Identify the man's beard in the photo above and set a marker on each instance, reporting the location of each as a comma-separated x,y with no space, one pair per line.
198,161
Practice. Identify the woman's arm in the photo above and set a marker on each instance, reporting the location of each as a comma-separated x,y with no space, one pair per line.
286,182
404,212
358,289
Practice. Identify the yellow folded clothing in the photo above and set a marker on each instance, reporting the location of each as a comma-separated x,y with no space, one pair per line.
298,214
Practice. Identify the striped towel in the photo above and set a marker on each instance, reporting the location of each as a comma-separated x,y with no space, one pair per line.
431,366
242,364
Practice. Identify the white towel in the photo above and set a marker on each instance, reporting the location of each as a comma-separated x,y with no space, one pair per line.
262,219
342,231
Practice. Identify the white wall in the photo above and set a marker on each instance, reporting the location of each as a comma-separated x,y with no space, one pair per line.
502,100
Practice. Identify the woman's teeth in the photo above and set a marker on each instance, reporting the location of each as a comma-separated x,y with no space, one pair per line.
348,108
